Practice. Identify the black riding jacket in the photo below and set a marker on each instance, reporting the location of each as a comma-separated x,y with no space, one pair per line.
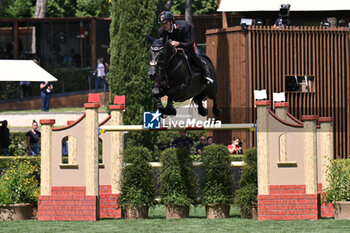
182,33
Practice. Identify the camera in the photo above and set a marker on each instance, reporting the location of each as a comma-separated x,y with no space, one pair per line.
240,144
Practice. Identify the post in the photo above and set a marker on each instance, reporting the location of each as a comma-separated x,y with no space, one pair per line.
310,153
281,112
91,140
117,148
72,147
263,144
327,147
46,156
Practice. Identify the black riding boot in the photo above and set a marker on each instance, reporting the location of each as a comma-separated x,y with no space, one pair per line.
204,70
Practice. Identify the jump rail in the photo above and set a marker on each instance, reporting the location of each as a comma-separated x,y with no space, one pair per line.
242,126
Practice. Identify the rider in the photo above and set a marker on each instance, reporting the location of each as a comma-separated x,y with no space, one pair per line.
180,34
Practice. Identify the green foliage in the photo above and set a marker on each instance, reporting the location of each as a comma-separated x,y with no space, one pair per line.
18,183
217,180
98,8
5,161
246,195
339,181
138,189
61,8
176,178
131,23
198,7
17,8
18,146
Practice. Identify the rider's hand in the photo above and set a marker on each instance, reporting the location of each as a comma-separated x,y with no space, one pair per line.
175,43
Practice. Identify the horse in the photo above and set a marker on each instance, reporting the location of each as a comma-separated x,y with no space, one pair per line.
170,69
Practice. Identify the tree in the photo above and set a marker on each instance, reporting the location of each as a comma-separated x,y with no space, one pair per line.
98,8
198,7
40,8
17,8
132,21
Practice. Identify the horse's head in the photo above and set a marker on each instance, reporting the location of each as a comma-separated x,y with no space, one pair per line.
159,58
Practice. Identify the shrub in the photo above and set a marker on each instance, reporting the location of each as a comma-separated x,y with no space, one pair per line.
18,183
176,178
217,180
246,195
138,189
5,161
339,181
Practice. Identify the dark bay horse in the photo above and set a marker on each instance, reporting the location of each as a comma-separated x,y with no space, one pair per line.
173,76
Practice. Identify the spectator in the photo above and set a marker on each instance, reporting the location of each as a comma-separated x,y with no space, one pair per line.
5,138
46,89
101,75
210,141
183,141
201,145
26,88
236,146
33,136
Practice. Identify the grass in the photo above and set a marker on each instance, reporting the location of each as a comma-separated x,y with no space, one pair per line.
196,223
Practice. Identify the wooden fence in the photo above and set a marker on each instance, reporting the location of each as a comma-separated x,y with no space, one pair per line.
267,57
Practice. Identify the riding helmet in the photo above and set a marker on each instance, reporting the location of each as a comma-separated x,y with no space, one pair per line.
165,16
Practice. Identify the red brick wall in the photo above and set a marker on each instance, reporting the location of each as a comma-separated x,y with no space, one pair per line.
67,204
288,202
72,204
327,210
109,203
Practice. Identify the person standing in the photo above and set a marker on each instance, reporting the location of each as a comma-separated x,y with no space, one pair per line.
26,88
101,74
200,146
182,141
46,89
236,146
33,137
5,138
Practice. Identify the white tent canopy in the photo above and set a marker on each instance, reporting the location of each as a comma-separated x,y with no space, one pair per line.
274,5
23,70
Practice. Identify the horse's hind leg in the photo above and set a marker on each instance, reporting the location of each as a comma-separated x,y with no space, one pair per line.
216,110
199,101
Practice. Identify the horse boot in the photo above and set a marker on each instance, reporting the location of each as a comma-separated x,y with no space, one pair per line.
204,70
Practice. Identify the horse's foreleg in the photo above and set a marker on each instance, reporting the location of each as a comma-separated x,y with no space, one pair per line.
201,110
170,106
216,110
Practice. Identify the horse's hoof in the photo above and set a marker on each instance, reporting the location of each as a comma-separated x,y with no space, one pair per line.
217,112
163,115
203,112
172,111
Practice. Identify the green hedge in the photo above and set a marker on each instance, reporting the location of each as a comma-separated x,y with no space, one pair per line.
18,146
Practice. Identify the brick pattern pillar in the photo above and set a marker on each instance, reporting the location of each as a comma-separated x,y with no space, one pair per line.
263,146
281,111
310,153
91,140
46,156
327,155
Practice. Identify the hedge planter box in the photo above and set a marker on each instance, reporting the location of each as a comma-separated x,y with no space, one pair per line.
217,211
175,212
342,210
136,213
14,212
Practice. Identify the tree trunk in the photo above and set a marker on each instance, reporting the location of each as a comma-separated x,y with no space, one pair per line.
188,12
40,12
168,4
1,1
40,8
